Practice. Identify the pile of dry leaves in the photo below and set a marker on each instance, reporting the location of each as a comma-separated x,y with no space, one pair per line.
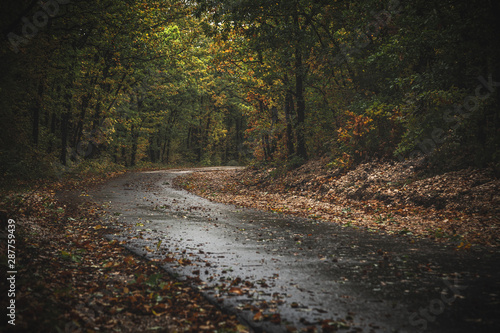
70,278
396,197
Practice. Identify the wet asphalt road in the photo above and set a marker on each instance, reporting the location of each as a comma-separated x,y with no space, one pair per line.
304,270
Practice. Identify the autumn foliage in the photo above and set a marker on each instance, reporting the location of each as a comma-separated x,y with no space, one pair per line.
211,83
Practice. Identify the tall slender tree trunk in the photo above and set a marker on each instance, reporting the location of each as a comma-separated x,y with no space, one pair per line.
50,147
168,150
65,123
124,156
301,104
36,121
36,113
64,137
151,148
289,125
300,74
79,127
135,140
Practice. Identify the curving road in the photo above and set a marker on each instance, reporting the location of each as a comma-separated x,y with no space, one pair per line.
279,272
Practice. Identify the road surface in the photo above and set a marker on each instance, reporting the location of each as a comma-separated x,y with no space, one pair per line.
278,272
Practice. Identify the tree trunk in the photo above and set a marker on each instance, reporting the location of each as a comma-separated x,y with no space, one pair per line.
151,150
50,147
124,156
167,153
289,126
64,137
79,127
36,120
36,114
301,104
135,139
65,124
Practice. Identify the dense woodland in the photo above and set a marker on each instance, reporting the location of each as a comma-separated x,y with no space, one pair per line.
211,82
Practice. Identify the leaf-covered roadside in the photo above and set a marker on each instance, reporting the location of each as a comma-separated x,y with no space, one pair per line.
396,197
70,278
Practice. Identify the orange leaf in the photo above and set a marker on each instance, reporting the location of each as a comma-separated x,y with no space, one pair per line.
258,316
236,291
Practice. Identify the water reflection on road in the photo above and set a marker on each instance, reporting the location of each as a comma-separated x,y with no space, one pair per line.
297,272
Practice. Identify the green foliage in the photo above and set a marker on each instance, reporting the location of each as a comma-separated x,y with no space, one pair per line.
97,167
27,164
114,81
206,82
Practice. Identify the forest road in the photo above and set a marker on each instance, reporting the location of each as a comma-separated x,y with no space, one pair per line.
277,272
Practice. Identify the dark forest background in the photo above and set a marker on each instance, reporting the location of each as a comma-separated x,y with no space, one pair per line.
103,84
